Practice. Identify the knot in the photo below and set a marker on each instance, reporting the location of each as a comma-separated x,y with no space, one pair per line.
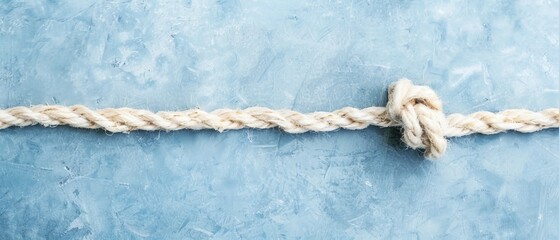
419,111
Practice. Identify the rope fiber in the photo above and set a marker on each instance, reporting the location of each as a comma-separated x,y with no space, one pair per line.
416,109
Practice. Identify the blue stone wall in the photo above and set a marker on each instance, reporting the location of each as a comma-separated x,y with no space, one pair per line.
63,183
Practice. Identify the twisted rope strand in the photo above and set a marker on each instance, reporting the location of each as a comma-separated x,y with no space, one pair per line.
127,119
416,109
519,120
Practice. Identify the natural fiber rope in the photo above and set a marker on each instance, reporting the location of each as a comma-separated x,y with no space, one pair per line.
416,109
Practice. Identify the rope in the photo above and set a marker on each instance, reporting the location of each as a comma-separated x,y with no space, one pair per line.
416,109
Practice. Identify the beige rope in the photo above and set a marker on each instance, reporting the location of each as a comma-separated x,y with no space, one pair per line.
416,109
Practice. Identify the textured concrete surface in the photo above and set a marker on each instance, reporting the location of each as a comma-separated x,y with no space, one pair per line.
63,183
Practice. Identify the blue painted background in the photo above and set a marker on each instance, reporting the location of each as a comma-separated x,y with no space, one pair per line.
63,183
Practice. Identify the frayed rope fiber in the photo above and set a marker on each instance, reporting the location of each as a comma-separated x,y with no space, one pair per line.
416,109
